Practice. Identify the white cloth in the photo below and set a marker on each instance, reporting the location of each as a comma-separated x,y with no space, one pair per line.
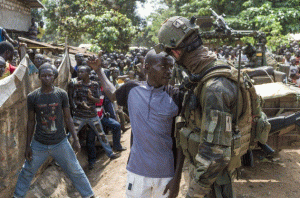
145,187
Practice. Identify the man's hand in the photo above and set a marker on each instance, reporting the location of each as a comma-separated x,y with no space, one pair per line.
15,43
173,187
22,45
90,95
76,145
83,104
28,153
94,62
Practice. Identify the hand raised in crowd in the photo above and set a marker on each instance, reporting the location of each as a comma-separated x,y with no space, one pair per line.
173,187
95,62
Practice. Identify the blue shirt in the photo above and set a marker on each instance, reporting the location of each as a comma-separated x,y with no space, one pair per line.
151,111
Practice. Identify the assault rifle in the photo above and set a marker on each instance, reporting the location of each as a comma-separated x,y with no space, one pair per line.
223,31
281,122
221,23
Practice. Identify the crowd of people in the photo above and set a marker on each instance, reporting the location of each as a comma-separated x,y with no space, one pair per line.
111,90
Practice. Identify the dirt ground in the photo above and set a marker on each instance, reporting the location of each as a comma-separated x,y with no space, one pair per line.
277,178
273,178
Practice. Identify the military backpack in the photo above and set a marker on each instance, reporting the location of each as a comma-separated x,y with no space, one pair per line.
252,122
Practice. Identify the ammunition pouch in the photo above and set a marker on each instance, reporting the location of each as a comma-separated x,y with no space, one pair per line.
189,142
262,128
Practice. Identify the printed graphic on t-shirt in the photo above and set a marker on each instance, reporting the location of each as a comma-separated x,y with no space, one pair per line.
48,117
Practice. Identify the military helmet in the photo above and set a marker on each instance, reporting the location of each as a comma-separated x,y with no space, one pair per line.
173,31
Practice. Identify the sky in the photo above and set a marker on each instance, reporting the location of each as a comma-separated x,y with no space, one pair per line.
145,9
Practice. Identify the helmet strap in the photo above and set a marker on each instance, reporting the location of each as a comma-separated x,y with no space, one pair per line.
194,45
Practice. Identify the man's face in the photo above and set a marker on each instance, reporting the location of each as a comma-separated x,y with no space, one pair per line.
38,60
122,64
57,62
131,74
293,61
79,58
2,67
47,77
9,55
160,72
177,53
83,74
115,73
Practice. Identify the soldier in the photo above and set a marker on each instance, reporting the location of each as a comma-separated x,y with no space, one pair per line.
206,131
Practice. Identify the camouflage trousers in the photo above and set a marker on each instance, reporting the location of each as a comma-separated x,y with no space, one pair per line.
221,188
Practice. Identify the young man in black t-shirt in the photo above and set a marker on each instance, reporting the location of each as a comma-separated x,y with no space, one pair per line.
48,108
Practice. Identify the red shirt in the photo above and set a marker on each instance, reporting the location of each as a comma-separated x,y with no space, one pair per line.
99,105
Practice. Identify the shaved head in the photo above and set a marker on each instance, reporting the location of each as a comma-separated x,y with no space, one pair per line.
152,58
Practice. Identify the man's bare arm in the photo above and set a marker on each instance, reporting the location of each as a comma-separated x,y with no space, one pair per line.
30,131
8,38
70,125
108,87
174,184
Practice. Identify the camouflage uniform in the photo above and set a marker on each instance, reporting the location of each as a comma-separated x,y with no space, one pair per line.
206,130
216,103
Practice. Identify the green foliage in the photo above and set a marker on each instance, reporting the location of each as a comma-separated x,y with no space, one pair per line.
37,14
276,18
99,22
111,30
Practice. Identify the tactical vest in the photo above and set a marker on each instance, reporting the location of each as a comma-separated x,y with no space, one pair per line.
252,122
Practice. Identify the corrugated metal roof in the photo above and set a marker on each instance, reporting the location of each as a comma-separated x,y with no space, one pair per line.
34,3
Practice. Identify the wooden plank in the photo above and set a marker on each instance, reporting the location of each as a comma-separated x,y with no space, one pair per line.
40,45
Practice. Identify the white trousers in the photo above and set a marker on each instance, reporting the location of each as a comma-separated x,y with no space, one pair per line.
143,187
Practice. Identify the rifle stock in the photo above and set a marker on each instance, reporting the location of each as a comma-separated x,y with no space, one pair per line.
281,122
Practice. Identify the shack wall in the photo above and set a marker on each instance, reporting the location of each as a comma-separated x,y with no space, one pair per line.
15,15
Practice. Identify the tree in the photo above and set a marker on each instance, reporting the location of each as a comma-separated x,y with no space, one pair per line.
94,21
276,18
112,30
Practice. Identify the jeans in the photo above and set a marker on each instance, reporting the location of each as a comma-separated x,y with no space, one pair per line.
96,125
116,131
90,144
64,156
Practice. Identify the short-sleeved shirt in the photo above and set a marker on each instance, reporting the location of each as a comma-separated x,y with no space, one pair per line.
151,111
8,70
48,108
80,94
41,32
